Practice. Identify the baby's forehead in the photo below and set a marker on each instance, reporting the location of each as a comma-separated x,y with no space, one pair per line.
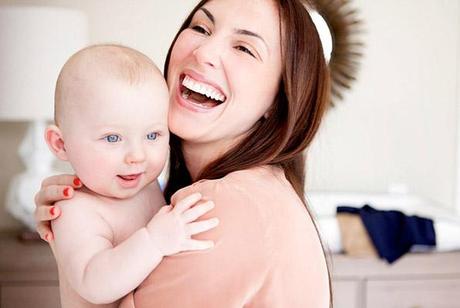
105,91
106,65
118,104
113,61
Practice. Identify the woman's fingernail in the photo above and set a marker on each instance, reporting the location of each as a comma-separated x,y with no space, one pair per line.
66,192
76,182
52,211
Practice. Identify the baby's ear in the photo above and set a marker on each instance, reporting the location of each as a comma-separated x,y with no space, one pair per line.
53,137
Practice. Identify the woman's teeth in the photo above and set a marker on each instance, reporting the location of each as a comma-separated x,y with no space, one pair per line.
202,89
186,93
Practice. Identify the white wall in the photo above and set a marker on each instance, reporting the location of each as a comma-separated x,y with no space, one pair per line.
148,25
398,125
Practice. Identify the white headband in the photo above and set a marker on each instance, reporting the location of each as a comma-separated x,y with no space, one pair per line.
324,33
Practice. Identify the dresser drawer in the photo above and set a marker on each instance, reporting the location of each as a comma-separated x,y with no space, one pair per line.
29,296
420,293
346,294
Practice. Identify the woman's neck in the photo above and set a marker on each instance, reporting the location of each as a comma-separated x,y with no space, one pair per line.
198,155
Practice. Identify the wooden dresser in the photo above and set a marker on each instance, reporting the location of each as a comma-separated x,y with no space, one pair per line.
28,279
414,281
28,274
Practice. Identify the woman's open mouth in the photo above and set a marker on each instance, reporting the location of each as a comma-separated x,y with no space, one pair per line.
200,94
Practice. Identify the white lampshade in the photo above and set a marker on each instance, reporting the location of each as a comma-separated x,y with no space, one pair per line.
34,44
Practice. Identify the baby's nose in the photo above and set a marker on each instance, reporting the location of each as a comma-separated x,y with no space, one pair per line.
134,156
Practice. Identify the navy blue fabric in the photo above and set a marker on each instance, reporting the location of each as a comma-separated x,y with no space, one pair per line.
392,232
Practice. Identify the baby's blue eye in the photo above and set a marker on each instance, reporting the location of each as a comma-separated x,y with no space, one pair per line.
152,136
112,138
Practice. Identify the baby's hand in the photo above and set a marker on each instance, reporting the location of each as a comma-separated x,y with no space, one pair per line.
172,227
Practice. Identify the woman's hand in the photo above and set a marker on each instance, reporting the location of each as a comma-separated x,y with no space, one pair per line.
54,188
172,227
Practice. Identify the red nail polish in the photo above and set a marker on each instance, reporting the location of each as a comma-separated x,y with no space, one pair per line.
76,182
66,192
52,211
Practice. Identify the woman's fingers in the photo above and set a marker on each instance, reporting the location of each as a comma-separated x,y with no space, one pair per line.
54,188
195,212
187,202
52,193
201,226
43,215
197,245
62,179
44,229
46,213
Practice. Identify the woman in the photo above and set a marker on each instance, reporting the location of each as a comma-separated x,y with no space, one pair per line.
263,63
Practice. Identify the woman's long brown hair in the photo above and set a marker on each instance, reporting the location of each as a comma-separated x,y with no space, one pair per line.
293,119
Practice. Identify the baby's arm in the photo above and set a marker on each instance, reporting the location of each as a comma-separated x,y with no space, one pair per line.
102,273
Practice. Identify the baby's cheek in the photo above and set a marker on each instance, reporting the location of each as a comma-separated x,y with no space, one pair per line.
95,171
158,161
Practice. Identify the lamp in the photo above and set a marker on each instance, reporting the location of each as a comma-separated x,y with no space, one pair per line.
35,43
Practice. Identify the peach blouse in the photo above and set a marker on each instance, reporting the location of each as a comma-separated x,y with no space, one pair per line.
267,252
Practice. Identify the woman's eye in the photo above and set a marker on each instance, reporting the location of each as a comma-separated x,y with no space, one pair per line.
152,136
245,50
112,138
200,29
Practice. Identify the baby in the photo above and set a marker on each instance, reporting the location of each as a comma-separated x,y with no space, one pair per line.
111,108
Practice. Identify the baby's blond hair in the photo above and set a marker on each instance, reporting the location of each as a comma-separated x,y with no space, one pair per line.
110,60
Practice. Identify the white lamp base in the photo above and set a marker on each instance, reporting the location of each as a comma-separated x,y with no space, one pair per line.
38,161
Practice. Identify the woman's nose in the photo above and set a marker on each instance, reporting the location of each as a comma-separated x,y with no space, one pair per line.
209,53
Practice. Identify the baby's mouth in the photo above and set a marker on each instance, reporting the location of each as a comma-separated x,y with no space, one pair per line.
130,177
200,93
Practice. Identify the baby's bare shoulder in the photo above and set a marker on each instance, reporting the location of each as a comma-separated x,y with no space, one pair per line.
81,202
81,212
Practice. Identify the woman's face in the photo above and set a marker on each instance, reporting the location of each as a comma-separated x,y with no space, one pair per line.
224,70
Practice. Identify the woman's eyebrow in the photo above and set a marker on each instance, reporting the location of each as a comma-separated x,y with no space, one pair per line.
237,31
250,33
208,13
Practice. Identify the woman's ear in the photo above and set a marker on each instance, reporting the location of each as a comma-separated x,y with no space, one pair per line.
53,137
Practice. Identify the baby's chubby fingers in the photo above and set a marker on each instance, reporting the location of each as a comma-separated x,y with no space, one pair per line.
201,226
197,245
187,202
165,209
195,212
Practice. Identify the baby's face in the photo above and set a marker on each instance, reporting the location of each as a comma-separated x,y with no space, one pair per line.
116,134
